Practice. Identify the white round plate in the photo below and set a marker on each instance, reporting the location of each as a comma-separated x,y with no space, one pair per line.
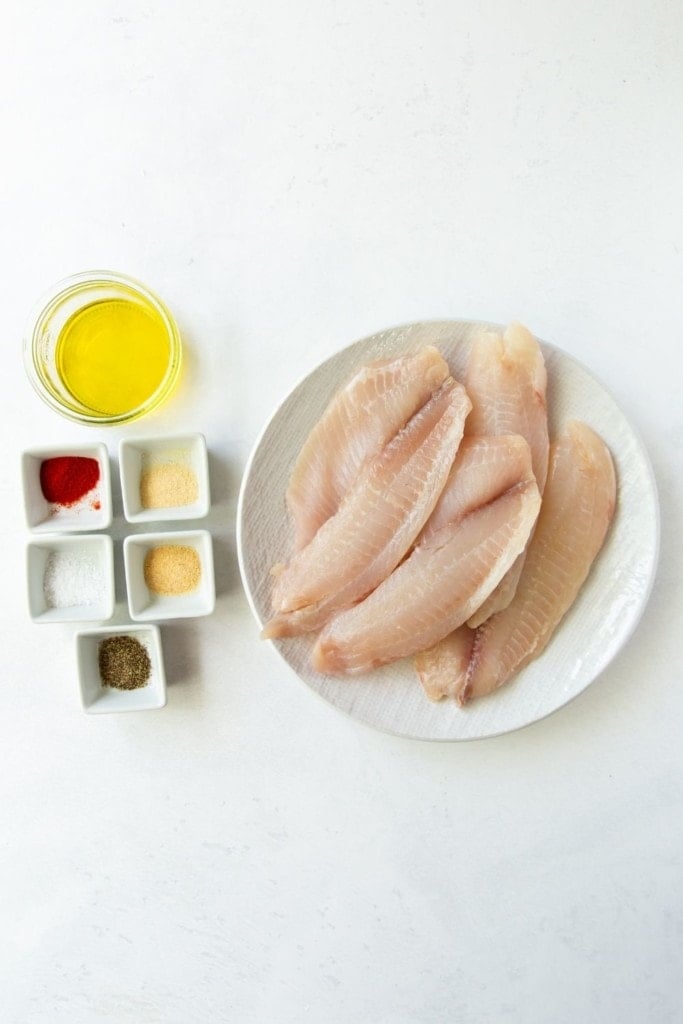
596,627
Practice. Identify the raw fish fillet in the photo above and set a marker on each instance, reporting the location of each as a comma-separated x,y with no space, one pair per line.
484,468
434,590
443,668
377,522
578,505
506,381
356,425
502,595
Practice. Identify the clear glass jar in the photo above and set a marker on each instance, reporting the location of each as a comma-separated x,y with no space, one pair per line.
49,319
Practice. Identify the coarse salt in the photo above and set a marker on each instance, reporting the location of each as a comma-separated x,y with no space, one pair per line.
72,579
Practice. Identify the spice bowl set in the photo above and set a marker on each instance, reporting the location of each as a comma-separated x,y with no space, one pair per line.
70,572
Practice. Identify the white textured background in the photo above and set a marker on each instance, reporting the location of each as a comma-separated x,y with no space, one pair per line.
289,177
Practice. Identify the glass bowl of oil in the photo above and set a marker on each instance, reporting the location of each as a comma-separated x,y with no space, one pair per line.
101,348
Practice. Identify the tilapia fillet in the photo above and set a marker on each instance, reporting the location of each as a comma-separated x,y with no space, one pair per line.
377,522
442,669
506,380
502,595
434,590
578,506
356,425
485,467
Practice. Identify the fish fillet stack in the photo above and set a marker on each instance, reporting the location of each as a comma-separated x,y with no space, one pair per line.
433,520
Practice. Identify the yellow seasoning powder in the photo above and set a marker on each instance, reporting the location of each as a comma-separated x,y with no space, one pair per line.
168,485
112,355
172,569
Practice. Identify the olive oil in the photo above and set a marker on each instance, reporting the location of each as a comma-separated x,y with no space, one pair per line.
112,355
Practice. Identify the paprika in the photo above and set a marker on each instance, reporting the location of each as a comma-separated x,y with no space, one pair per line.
68,478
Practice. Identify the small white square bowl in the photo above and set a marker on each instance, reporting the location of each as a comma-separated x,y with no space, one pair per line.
143,603
42,516
97,698
138,455
99,549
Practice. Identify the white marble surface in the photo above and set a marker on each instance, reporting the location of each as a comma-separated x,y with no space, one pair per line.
291,177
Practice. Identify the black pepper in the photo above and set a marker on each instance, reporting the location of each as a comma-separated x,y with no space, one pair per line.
124,663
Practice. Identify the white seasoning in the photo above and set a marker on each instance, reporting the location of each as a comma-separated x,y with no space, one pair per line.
72,579
170,483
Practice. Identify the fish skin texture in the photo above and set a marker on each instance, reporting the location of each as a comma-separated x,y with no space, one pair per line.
358,422
442,669
434,590
484,468
506,380
377,522
578,507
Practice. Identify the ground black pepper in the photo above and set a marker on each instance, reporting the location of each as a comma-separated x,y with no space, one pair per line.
124,663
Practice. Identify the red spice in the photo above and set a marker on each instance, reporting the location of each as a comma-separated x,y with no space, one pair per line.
66,479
